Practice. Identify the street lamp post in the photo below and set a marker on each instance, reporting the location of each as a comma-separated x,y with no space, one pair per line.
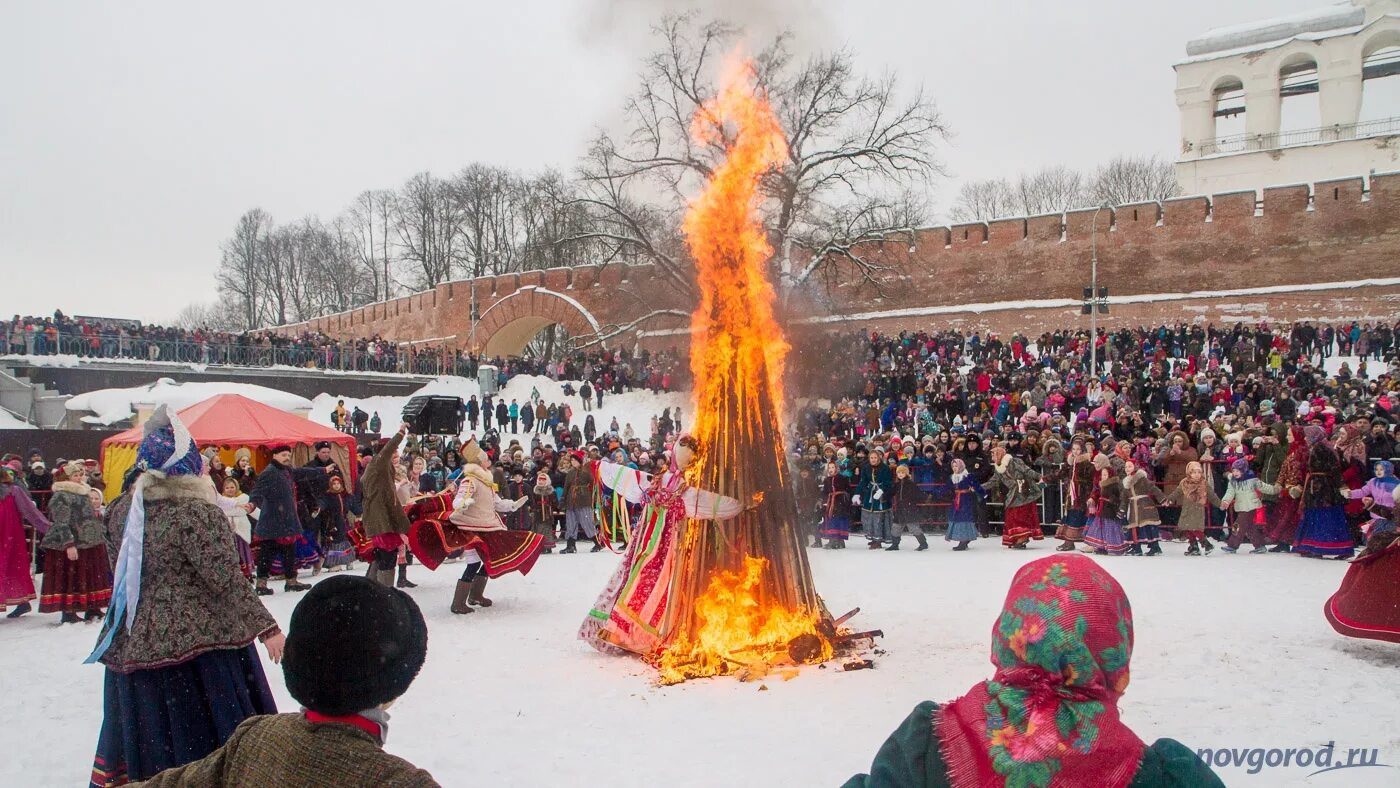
1094,301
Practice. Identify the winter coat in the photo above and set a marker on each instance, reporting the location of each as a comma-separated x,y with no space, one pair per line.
907,499
381,512
1193,515
287,749
966,491
1142,499
578,489
72,522
1112,501
1079,484
194,599
334,516
1019,483
274,495
872,478
1245,494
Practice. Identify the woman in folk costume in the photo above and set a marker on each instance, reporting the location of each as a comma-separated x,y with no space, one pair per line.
1196,498
337,506
1078,477
181,672
1143,521
1049,715
1365,606
474,526
385,524
874,493
1284,513
77,574
16,509
1323,532
1380,488
233,502
1105,532
1021,487
631,613
962,513
835,507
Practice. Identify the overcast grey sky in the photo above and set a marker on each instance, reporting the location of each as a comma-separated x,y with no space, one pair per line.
133,134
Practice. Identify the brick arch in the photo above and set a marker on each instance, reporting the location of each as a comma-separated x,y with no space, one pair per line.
509,324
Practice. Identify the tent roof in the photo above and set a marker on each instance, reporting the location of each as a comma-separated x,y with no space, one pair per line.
235,420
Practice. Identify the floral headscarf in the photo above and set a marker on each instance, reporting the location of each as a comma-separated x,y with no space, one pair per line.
1049,716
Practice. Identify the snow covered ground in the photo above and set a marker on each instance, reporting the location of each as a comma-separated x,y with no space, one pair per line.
109,406
634,407
1232,651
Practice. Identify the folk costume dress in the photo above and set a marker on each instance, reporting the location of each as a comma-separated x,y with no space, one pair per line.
1323,531
470,521
240,520
1105,532
836,508
83,586
336,509
181,672
1079,487
16,509
1049,715
1022,488
631,613
962,514
1367,605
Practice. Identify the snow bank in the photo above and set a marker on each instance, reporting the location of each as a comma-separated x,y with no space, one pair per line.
542,704
110,406
9,421
635,407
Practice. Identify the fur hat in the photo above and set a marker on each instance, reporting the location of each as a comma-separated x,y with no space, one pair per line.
352,645
278,448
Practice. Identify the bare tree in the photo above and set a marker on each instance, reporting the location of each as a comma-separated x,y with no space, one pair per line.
1130,179
1050,190
855,150
370,222
218,315
238,275
981,201
427,223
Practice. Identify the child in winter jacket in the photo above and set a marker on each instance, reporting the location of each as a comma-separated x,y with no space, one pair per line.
907,497
1244,494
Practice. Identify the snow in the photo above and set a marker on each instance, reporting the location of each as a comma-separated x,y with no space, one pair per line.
1231,651
69,361
9,421
110,406
634,407
1281,28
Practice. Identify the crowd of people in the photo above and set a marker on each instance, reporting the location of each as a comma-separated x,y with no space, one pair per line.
107,338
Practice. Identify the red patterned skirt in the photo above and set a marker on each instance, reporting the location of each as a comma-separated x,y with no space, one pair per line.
81,586
502,552
1368,603
1022,525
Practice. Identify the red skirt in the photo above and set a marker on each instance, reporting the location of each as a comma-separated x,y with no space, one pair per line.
501,552
1022,525
1368,603
81,586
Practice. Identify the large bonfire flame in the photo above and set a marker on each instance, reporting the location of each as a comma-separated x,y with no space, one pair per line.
745,599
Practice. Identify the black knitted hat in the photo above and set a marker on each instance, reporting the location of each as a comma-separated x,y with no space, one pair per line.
353,645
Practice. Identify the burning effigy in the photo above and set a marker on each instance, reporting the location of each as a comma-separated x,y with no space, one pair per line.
715,579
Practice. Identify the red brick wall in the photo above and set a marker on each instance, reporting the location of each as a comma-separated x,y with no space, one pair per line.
1186,244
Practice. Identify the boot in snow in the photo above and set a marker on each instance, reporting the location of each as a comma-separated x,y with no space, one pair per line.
569,548
923,542
459,598
1136,549
1194,549
403,581
1206,545
893,545
1065,547
68,618
475,597
1281,547
1155,548
261,589
1259,551
961,546
596,547
293,586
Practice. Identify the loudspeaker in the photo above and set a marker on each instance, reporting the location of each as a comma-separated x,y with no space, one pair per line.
434,415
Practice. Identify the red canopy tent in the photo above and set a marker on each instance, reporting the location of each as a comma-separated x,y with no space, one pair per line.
229,422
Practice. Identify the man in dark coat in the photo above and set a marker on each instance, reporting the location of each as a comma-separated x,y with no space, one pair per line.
279,524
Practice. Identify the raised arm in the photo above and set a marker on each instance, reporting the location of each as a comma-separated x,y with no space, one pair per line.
630,483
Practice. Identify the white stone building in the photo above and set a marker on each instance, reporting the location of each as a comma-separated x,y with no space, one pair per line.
1297,99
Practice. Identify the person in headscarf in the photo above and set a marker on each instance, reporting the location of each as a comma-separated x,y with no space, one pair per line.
962,513
1246,496
835,508
1380,488
1285,512
1021,489
77,575
1079,482
1106,509
1049,715
16,509
181,672
1324,532
1196,497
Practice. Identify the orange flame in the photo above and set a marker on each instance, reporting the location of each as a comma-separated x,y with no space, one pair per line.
745,618
726,239
738,631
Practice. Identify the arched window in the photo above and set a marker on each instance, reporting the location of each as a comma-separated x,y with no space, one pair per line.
1298,97
1380,84
1228,95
